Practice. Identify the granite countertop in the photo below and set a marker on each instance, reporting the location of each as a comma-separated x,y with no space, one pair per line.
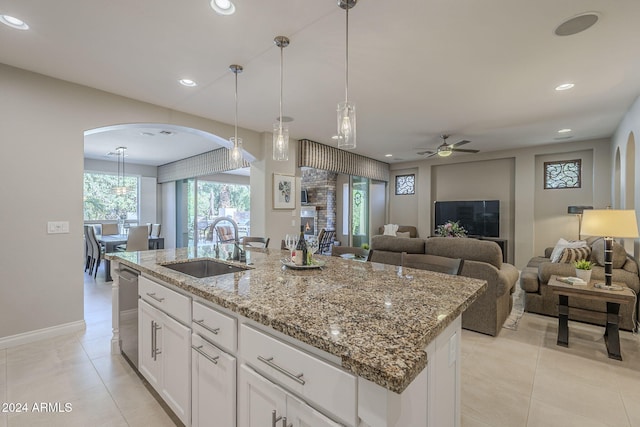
375,320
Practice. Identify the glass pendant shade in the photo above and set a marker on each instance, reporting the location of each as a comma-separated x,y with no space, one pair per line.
346,125
235,154
280,142
120,188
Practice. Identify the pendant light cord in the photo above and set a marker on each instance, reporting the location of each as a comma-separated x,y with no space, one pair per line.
281,83
235,141
346,68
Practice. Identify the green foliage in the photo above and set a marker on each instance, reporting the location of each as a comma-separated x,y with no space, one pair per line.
583,264
214,195
101,202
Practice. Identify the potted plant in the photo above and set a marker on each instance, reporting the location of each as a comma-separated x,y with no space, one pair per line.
451,229
583,269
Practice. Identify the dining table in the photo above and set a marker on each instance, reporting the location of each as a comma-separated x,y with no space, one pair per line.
112,241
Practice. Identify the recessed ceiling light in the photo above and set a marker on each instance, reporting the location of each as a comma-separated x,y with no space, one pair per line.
388,155
14,22
335,137
223,7
564,130
565,86
188,82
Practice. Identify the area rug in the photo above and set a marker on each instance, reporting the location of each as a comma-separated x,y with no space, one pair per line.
517,310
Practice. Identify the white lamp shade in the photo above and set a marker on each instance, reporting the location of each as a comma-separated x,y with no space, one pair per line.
610,223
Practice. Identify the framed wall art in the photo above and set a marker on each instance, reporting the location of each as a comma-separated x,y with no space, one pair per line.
284,191
563,174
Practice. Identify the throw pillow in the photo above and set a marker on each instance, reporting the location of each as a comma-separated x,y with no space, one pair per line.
619,255
563,244
406,234
571,255
390,229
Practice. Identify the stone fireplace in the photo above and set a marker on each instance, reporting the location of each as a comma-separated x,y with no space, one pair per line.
321,189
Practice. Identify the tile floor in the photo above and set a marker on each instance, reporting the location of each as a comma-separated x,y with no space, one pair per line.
519,379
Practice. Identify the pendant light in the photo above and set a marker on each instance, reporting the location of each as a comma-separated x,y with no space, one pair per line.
280,131
347,110
120,188
235,153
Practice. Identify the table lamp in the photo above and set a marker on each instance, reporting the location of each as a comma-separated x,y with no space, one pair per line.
609,223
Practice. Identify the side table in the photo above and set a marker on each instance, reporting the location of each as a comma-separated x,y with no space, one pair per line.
613,299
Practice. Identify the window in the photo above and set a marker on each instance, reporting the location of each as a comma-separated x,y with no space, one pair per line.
405,184
102,203
562,174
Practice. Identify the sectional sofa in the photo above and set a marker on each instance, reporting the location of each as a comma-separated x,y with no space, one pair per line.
482,260
540,299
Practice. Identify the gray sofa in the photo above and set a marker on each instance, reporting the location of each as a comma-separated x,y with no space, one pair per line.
482,260
540,299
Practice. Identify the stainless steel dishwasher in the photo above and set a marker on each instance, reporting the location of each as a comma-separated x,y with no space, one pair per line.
128,313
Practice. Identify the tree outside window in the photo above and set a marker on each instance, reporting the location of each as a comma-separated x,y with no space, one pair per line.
102,203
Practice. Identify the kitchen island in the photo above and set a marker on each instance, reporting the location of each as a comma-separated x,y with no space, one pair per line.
374,323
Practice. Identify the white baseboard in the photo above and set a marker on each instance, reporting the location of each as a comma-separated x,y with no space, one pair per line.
41,334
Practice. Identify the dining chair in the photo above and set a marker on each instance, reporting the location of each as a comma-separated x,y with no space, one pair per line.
225,234
137,240
436,263
154,233
109,229
283,245
256,242
385,257
326,238
96,251
88,248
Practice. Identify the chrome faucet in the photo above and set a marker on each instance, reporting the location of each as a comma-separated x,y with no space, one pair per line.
238,253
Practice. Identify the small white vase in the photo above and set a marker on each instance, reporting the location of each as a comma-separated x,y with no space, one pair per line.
583,274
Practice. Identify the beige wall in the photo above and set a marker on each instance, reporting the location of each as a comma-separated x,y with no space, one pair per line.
524,240
43,122
550,208
627,171
403,209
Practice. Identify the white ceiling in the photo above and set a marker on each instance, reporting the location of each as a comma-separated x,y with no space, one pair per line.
478,70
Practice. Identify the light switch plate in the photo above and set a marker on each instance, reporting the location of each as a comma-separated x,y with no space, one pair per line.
57,227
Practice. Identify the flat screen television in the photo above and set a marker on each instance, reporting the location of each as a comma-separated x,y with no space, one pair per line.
304,197
478,217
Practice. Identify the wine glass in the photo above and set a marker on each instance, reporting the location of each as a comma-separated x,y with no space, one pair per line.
291,241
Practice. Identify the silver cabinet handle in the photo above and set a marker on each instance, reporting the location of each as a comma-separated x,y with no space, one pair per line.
208,328
274,420
209,358
154,339
153,295
269,361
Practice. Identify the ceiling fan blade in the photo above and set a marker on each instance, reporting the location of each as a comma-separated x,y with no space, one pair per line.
432,154
464,151
459,143
422,153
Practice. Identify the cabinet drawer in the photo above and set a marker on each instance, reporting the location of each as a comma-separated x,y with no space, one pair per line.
318,382
174,304
215,326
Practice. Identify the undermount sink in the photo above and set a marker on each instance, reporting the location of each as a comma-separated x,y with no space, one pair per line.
203,268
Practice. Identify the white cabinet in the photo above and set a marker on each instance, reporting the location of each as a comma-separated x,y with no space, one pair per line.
262,403
149,340
213,385
323,385
164,353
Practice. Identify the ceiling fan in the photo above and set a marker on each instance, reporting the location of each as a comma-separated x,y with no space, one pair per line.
445,149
